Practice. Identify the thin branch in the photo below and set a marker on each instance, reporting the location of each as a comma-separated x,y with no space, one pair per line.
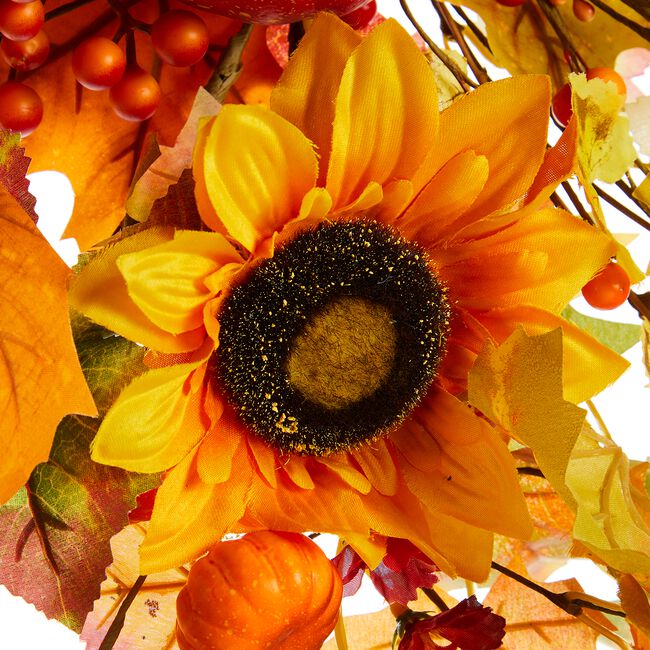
465,82
629,192
572,605
643,32
601,629
479,71
230,65
558,202
435,598
64,9
118,622
637,302
621,208
555,19
576,203
296,32
480,36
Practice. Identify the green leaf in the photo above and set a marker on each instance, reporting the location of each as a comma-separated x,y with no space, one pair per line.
620,337
55,543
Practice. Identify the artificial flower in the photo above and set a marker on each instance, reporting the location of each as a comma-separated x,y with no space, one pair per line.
313,348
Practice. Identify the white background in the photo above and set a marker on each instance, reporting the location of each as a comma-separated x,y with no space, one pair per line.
625,406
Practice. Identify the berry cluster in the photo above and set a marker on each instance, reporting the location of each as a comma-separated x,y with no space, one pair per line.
180,38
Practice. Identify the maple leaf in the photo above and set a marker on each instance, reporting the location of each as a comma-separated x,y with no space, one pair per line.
402,571
150,622
55,542
13,169
40,377
533,622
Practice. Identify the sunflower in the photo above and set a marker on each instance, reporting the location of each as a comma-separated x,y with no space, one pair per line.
311,351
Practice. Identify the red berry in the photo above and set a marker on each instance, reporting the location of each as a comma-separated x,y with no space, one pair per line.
609,289
98,63
136,96
21,108
607,74
20,22
180,37
583,11
360,18
561,105
26,55
511,3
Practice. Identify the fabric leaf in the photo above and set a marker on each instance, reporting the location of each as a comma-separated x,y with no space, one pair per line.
54,548
13,168
40,377
620,337
151,619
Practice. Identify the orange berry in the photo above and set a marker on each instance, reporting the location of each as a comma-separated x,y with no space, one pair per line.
607,74
609,289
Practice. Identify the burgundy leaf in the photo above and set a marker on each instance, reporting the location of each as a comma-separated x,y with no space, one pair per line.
13,170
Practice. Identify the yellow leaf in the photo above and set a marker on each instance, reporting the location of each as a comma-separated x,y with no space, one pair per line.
607,520
40,376
605,149
151,619
639,114
642,192
519,386
634,601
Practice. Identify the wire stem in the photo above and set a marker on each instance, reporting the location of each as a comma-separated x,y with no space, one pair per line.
118,622
621,208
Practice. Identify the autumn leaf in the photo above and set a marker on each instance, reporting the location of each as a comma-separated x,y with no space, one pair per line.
620,337
523,41
55,543
519,387
607,520
40,377
532,621
13,169
151,618
168,167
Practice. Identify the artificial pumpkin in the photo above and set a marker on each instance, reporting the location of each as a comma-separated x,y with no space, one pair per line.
265,590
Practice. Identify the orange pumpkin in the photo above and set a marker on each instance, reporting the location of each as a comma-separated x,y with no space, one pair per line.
265,590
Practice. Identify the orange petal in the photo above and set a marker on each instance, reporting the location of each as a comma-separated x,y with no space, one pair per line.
505,121
168,282
306,91
530,262
587,365
255,168
265,458
438,210
474,477
296,469
189,516
100,292
340,464
378,465
216,451
155,421
385,117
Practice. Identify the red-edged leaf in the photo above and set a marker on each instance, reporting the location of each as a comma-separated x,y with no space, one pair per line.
468,626
54,546
13,170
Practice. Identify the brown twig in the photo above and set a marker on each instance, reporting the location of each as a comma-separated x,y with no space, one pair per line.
555,20
573,197
621,208
435,598
571,602
118,622
629,192
643,32
479,71
465,82
480,36
531,471
230,65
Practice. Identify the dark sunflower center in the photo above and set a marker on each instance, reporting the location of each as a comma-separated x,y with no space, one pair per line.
333,340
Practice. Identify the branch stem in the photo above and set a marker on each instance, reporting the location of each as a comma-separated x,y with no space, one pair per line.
118,622
621,208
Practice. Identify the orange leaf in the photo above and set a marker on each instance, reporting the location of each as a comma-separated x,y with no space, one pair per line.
532,621
40,376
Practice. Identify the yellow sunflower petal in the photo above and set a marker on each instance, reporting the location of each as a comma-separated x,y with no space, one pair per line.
256,168
296,469
216,451
505,121
155,421
474,479
385,118
530,262
587,365
341,466
306,91
437,210
167,282
189,516
100,292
